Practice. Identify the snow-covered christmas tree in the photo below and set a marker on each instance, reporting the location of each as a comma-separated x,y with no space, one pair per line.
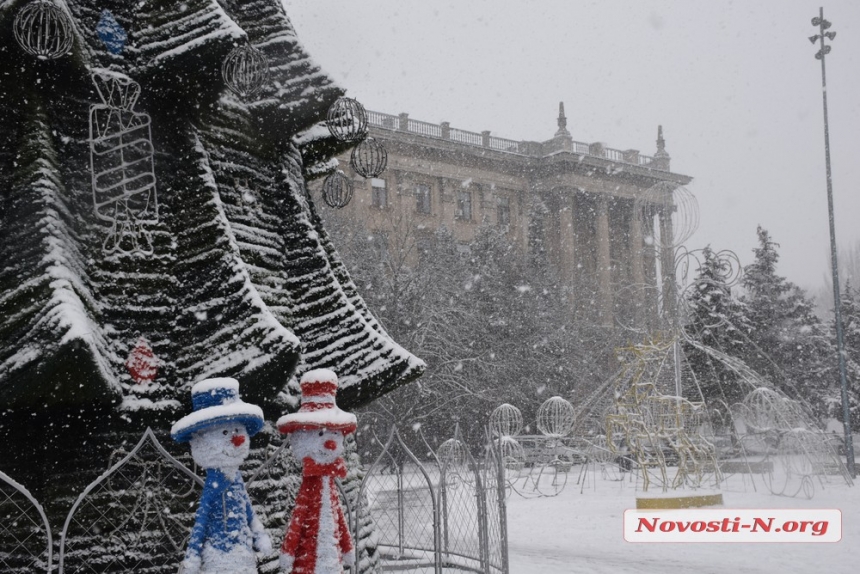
156,229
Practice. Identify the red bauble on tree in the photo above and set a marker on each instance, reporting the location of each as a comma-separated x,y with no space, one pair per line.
142,364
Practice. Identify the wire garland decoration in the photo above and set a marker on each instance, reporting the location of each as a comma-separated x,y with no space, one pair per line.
669,214
726,268
337,190
122,164
347,120
245,70
44,30
666,215
369,158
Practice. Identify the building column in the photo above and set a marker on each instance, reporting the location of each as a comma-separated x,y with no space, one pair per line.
667,264
637,263
567,238
637,243
603,262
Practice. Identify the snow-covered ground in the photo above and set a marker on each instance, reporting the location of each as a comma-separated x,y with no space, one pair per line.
580,530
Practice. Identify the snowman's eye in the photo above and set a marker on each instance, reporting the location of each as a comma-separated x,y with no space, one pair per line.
226,432
322,433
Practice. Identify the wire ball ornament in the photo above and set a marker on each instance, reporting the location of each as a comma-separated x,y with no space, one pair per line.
555,417
451,453
337,190
766,410
512,453
347,120
44,30
506,421
369,158
245,70
683,215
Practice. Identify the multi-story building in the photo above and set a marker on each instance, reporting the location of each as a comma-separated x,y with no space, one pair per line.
578,201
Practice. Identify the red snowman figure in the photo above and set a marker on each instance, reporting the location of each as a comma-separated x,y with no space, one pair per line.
318,540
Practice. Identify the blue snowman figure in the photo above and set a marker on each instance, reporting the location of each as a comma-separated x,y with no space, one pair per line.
226,530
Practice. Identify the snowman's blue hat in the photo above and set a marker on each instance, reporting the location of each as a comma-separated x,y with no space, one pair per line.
216,402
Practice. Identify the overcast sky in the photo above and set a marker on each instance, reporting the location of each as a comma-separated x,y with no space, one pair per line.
735,85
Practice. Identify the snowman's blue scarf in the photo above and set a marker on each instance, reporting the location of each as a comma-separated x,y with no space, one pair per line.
224,516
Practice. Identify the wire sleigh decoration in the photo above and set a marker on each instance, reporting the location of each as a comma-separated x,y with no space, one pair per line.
122,164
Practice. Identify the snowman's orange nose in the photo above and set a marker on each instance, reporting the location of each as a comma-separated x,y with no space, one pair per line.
238,440
330,444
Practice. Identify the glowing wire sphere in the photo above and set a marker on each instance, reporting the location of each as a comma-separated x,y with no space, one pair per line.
506,420
347,120
337,190
43,30
672,199
369,158
767,409
245,70
555,417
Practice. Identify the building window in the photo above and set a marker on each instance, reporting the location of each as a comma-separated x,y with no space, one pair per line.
379,195
422,198
504,212
464,205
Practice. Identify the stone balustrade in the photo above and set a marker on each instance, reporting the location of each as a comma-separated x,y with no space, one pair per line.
402,122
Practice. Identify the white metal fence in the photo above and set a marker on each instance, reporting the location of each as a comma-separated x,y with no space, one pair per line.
444,515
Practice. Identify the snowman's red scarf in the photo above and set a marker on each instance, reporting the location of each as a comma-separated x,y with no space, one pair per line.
313,468
303,531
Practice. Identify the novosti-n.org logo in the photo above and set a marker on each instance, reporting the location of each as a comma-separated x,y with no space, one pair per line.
733,525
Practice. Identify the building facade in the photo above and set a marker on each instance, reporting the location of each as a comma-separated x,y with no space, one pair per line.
580,203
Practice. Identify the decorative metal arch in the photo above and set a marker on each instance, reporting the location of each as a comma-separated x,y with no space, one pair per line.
412,548
472,509
19,557
135,510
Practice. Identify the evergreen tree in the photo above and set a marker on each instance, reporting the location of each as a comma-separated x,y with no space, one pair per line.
850,301
787,343
218,263
717,320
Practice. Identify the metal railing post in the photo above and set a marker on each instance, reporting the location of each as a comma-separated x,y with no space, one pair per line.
400,518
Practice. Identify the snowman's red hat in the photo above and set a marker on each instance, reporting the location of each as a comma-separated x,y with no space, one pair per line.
318,409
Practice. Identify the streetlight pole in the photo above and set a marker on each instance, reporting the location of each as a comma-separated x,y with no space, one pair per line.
840,342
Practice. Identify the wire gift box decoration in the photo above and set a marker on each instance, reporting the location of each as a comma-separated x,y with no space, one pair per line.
122,164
